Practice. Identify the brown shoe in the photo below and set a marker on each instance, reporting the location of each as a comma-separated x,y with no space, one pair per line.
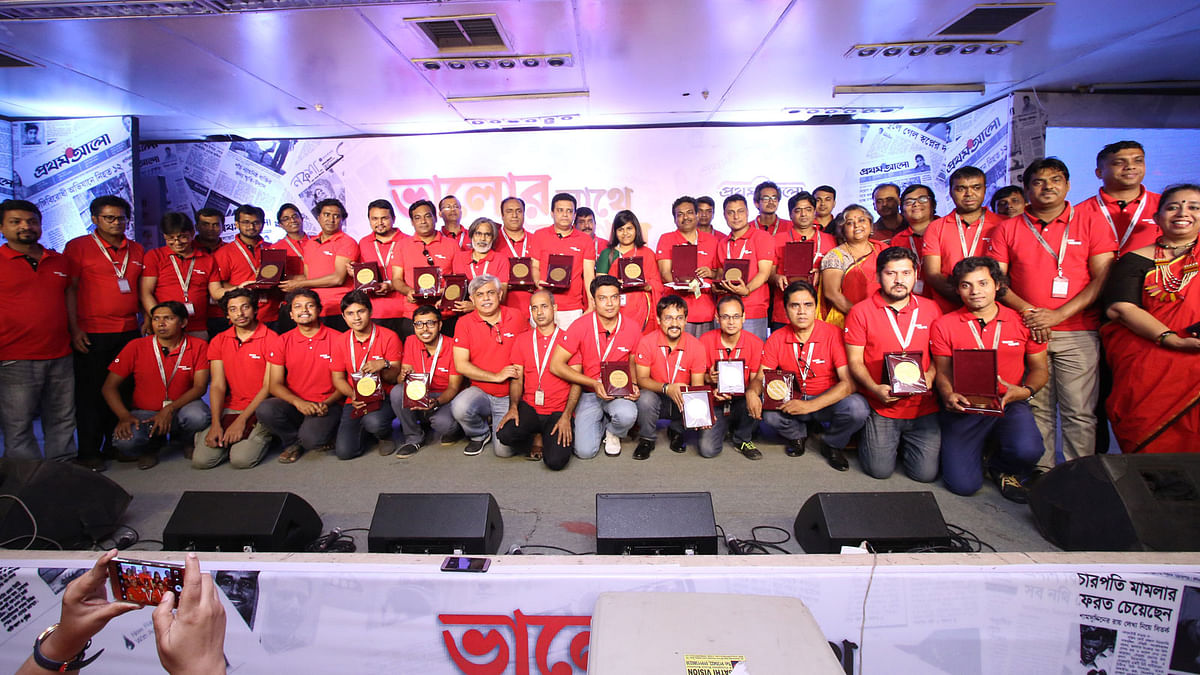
147,461
290,454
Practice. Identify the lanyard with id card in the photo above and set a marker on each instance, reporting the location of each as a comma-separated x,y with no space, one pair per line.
123,284
1060,287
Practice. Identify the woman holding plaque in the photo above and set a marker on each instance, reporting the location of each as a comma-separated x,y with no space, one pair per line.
641,285
1155,330
848,271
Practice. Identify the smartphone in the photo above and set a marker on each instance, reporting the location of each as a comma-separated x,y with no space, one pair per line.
461,564
142,581
1193,330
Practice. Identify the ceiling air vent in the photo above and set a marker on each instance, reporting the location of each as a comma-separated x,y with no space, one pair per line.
992,19
456,33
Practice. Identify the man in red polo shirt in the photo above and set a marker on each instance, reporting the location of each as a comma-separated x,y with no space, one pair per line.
824,219
694,291
179,271
429,359
802,208
291,220
918,206
1021,366
514,242
962,234
823,389
539,402
1124,204
1057,258
35,344
667,361
303,409
564,239
327,261
237,360
758,247
170,374
483,354
585,222
382,246
894,320
426,248
364,352
706,210
481,258
886,198
209,223
239,260
102,308
766,201
731,343
452,228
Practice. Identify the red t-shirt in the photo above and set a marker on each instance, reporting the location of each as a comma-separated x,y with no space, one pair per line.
238,263
308,361
386,346
953,331
169,281
494,263
507,249
319,260
34,325
242,362
780,225
555,390
582,338
417,356
576,244
785,352
749,349
412,255
490,345
370,249
868,326
756,246
914,242
100,305
1031,269
462,239
703,308
672,366
941,239
1145,230
824,242
180,366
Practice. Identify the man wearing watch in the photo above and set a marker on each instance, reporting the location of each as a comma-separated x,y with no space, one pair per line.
427,372
667,361
366,359
1021,367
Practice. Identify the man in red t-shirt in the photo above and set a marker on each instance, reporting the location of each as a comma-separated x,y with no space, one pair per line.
756,246
894,320
513,241
179,271
886,198
237,360
1021,369
327,259
1123,203
239,260
822,391
706,210
694,290
667,362
962,234
427,248
427,364
766,201
382,247
802,208
539,403
209,223
303,409
366,359
483,344
451,212
35,343
731,344
563,239
170,374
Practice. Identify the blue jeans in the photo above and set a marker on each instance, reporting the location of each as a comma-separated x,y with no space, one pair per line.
843,418
478,412
963,437
757,327
355,432
293,427
593,417
698,328
30,388
440,420
650,405
919,440
187,421
712,439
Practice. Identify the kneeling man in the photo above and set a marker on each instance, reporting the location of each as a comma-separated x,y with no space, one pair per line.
428,363
668,361
366,359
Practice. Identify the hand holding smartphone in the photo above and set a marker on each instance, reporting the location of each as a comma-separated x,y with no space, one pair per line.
462,564
142,581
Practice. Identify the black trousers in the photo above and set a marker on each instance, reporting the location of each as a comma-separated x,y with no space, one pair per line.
519,435
94,421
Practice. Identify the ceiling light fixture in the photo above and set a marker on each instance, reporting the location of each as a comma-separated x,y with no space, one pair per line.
969,49
944,50
456,65
530,63
867,51
506,63
917,51
996,49
481,64
973,88
921,47
893,51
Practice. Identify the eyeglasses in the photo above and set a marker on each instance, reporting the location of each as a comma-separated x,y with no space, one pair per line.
426,324
291,219
765,198
729,317
113,220
913,201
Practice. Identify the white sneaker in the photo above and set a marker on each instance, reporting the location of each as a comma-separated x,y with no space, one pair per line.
612,444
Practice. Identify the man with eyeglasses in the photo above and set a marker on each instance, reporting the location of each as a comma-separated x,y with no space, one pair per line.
918,206
756,246
483,354
666,362
731,344
564,239
481,258
178,271
364,352
382,247
766,200
965,233
699,301
426,248
291,221
428,360
512,241
239,260
451,211
327,259
595,338
886,198
102,309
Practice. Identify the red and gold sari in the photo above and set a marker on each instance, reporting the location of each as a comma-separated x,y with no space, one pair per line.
858,282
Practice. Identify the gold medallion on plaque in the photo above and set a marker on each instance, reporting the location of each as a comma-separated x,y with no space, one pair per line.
777,390
366,386
426,281
520,271
365,276
558,274
618,379
733,274
453,293
907,372
268,271
415,390
633,271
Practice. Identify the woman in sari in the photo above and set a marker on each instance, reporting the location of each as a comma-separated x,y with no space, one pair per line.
627,241
848,271
1152,301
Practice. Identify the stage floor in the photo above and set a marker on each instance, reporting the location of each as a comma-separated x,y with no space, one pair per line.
558,508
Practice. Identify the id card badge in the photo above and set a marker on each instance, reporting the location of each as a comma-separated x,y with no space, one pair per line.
191,309
123,285
539,397
1059,288
624,299
919,287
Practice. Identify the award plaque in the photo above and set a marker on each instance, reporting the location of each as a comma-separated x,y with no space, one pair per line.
736,270
366,276
427,284
904,373
368,388
777,389
697,408
520,274
228,419
455,291
975,379
416,392
631,273
683,263
270,269
797,260
616,378
731,376
558,272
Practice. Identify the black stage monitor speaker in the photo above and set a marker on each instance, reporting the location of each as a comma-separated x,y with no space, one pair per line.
235,521
888,521
666,523
1121,503
73,506
436,523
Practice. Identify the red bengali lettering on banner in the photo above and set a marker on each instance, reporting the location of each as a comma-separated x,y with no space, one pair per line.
604,202
483,194
479,645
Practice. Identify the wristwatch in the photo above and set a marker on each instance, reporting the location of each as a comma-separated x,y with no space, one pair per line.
60,666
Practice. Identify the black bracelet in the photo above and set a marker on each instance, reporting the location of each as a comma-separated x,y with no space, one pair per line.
60,666
1162,337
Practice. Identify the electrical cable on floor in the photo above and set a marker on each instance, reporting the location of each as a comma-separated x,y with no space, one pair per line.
335,541
519,549
32,537
961,541
755,545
